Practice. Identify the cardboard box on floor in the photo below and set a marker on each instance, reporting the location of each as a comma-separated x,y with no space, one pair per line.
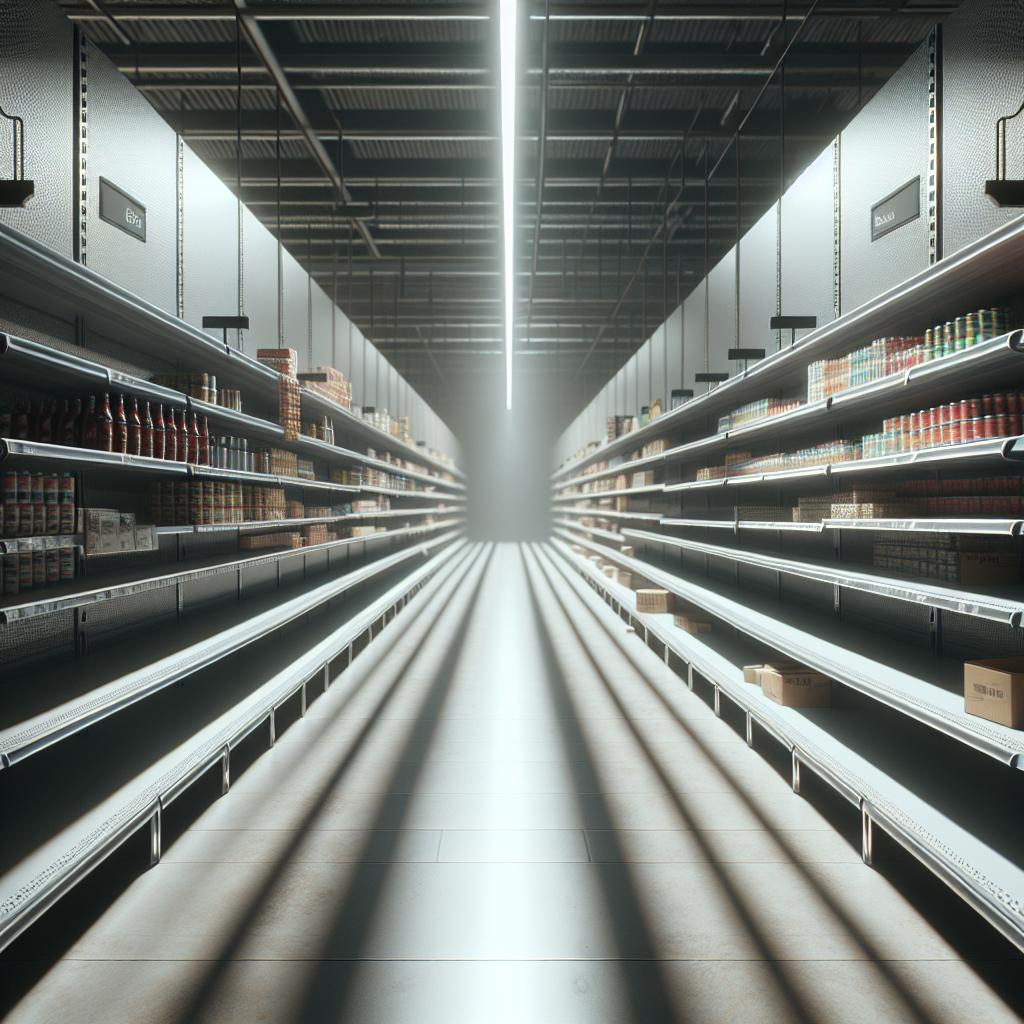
994,689
795,686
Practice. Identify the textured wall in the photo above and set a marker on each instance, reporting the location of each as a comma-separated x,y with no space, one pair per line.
134,148
36,84
883,147
210,233
982,80
808,237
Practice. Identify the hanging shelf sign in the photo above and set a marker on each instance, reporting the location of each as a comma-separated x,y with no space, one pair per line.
118,208
896,209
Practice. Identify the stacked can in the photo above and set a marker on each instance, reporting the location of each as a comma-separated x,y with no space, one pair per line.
960,422
36,505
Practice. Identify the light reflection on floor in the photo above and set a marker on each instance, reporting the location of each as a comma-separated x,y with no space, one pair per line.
498,815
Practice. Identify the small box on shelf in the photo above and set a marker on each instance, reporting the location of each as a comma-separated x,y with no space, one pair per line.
795,686
994,689
656,601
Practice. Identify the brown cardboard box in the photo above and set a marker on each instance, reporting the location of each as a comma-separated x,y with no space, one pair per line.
693,621
989,567
752,673
627,550
994,690
625,578
653,601
795,686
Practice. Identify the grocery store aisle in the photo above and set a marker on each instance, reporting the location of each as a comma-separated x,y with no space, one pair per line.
503,812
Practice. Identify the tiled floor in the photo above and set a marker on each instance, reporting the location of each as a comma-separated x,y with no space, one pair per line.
501,815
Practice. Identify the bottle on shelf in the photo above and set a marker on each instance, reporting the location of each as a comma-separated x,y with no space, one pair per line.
192,429
146,447
170,437
204,442
134,429
159,436
120,430
47,420
105,426
183,438
68,432
88,436
19,422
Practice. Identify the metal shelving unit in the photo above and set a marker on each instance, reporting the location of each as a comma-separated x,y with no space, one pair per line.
35,733
883,798
806,591
948,597
37,882
46,279
855,658
980,273
127,582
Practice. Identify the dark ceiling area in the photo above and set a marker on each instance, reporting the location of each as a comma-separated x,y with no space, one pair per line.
370,145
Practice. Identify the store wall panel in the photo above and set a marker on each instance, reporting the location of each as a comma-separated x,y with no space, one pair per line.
658,367
982,80
135,149
758,281
882,149
36,84
370,372
722,311
630,394
296,308
808,241
323,339
693,335
210,244
358,368
674,350
259,281
643,375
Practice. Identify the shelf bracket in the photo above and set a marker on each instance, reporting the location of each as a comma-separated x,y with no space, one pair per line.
327,676
156,832
689,676
867,836
796,771
225,770
935,628
81,632
750,729
272,726
718,701
302,700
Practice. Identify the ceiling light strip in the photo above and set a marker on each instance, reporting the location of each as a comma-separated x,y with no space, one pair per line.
507,42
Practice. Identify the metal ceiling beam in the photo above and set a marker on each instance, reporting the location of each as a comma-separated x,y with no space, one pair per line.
369,172
262,47
769,12
425,126
459,61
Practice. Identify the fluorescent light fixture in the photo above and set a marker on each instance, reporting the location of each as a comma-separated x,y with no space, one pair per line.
507,15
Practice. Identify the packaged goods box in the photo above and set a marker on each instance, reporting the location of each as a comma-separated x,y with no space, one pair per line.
692,620
795,686
994,689
653,601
